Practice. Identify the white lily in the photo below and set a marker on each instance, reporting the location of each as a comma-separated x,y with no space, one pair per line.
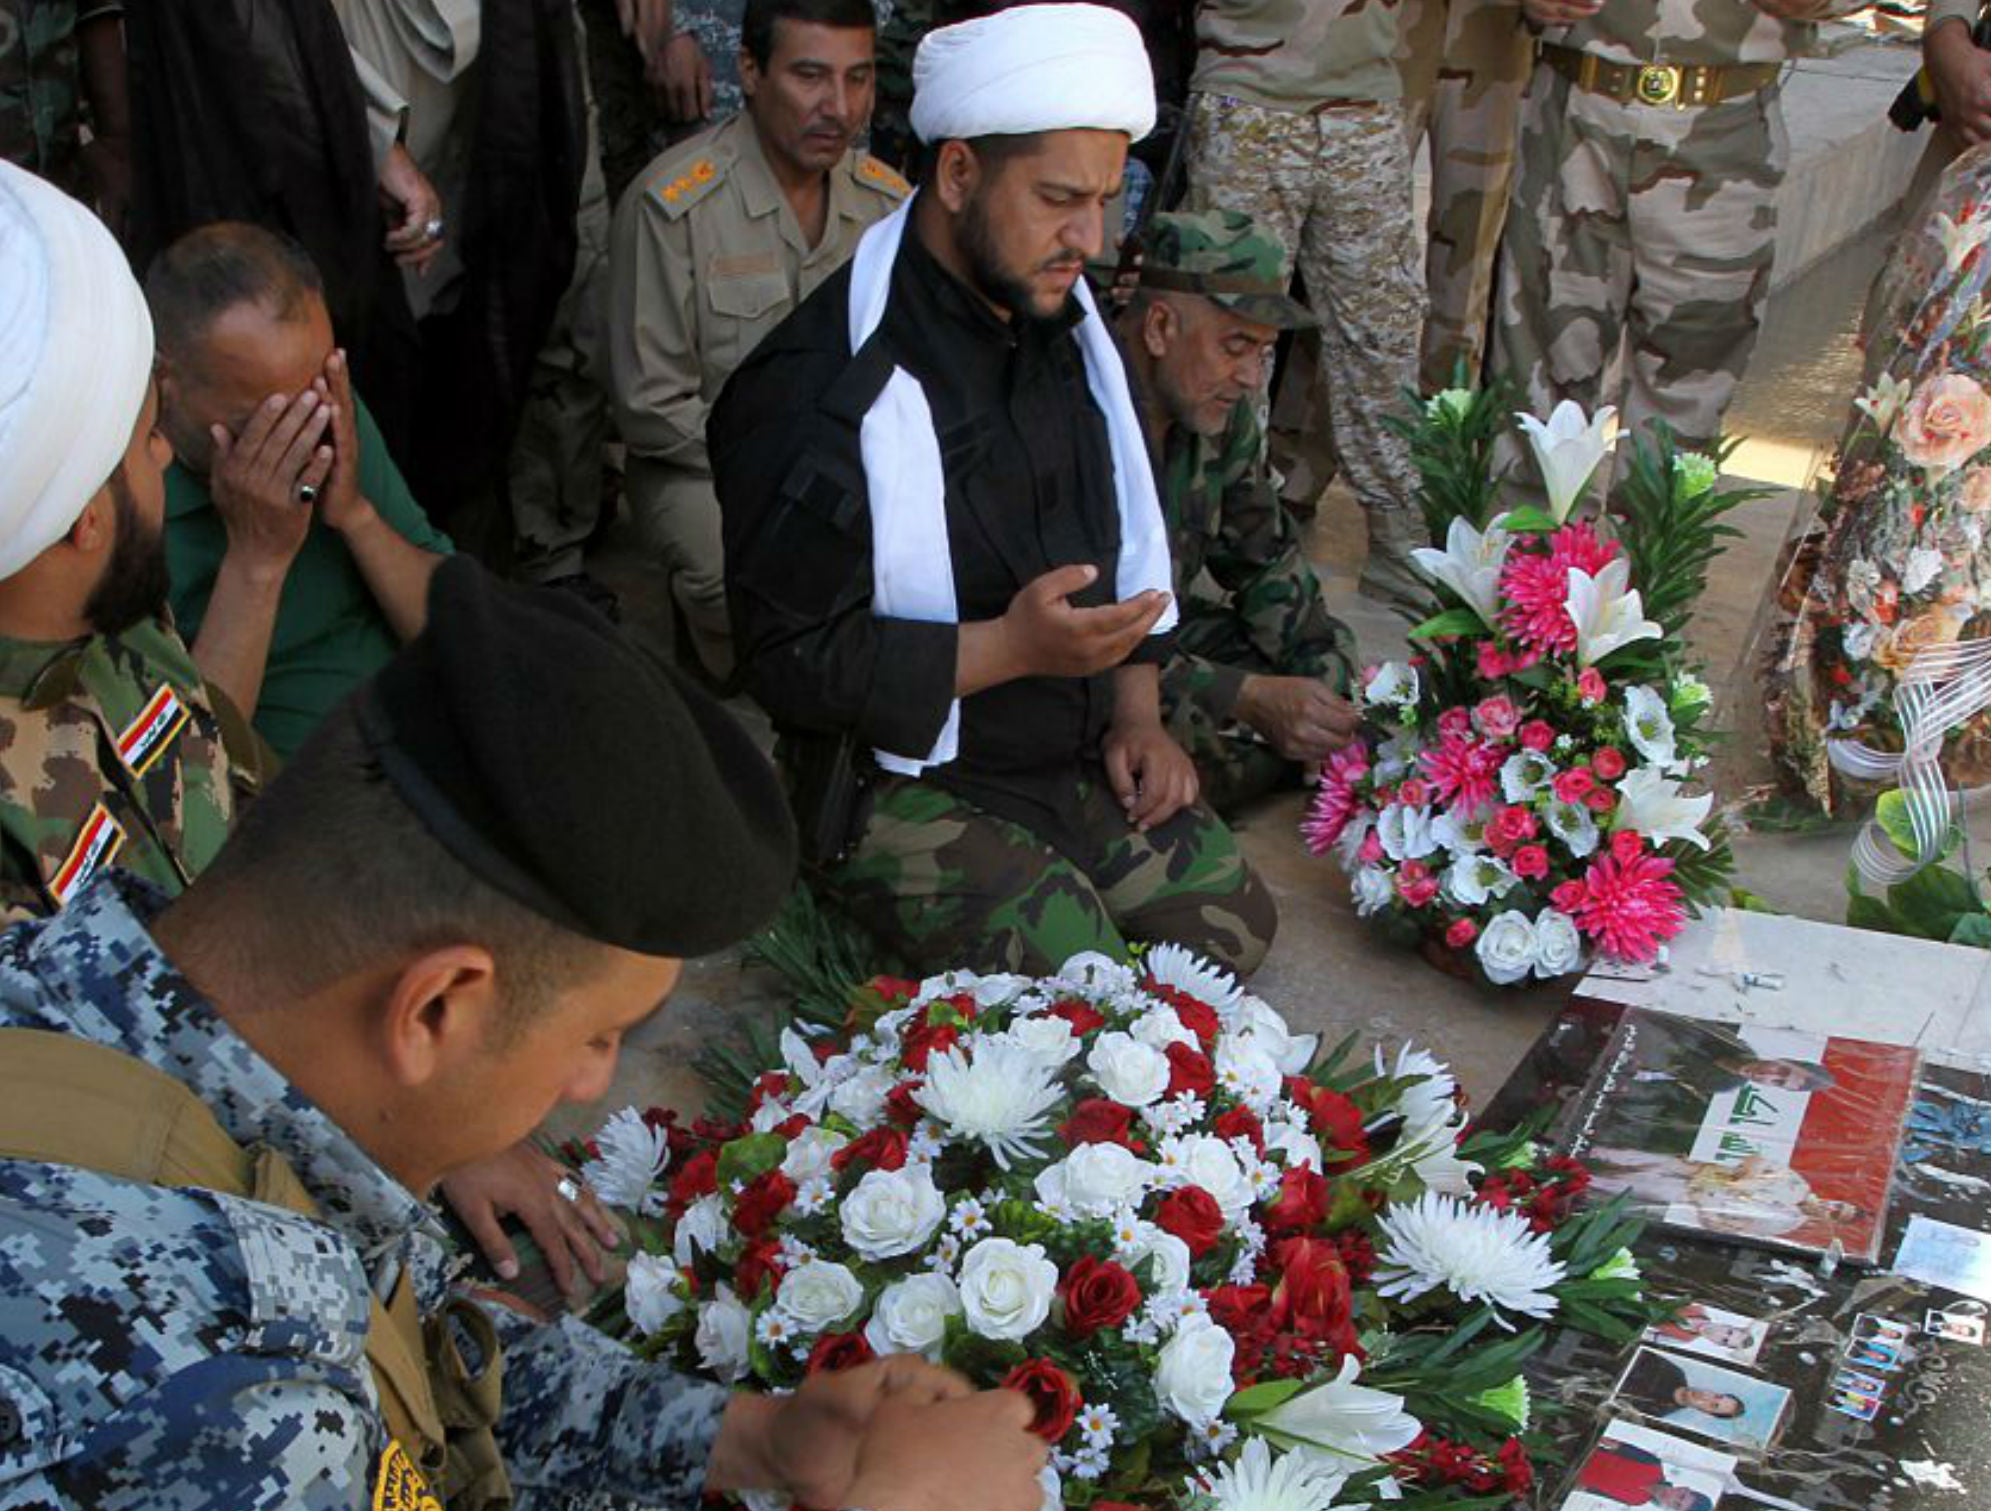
1470,565
1342,1420
1568,449
1651,805
1884,401
1606,612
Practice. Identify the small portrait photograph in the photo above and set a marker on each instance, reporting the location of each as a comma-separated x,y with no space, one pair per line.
1874,1354
1699,1396
1854,1380
1637,1466
1704,1329
1959,1327
1861,1406
1887,1330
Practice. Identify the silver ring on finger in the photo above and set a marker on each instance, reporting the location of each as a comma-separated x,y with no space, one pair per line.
568,1189
307,494
433,229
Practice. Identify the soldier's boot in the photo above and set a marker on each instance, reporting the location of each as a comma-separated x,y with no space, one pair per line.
1389,576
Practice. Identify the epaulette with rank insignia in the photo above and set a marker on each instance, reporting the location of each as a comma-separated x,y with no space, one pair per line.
679,193
882,177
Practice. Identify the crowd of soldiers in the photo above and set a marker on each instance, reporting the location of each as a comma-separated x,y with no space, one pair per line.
336,861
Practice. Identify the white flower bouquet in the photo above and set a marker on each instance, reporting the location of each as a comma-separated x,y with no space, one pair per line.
1227,1270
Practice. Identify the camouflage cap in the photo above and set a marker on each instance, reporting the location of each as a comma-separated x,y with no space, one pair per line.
1224,256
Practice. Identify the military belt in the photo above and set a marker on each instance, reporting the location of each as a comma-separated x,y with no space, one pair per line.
1680,85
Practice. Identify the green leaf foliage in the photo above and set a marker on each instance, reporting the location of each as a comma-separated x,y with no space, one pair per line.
1670,535
1453,452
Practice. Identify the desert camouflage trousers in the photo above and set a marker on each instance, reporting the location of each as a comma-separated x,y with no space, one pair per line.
942,883
1637,255
1335,189
1465,66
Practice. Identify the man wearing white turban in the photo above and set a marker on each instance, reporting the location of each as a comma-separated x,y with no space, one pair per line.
946,565
89,661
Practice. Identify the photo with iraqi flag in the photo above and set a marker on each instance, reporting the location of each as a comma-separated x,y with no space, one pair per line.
1779,1137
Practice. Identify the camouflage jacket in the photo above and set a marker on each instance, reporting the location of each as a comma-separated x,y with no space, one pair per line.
182,1348
1226,522
1695,31
41,96
1297,54
113,751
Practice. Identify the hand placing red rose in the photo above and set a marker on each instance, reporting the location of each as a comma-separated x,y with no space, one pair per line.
1054,1397
1193,1216
1097,1294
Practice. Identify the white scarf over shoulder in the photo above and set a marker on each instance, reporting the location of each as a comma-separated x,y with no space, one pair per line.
912,565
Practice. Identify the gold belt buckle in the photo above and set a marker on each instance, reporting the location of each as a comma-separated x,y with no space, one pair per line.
1658,84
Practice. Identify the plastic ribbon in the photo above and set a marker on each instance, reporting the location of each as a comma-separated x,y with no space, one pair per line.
1941,689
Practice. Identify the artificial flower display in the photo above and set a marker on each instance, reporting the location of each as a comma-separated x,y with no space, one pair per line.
1228,1270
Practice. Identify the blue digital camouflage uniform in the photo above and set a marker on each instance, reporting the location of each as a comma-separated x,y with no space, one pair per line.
177,1347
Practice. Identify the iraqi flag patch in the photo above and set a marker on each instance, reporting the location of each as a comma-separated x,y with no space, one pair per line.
146,736
98,844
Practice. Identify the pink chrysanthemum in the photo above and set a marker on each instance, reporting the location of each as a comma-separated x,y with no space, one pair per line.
1536,585
1335,800
1463,771
1631,908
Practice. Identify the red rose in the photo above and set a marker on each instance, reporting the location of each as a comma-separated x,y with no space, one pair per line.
1244,1312
896,990
760,1261
839,1351
1241,1123
1569,896
1531,861
1627,847
762,1202
1414,792
1609,763
793,1125
1084,1018
1312,1294
1100,1120
1190,1070
1591,685
1461,933
1497,717
923,1041
1601,800
768,1084
1196,1016
1098,1294
902,1107
881,1149
696,1178
1193,1216
1572,786
1358,1255
1517,1474
1457,722
1537,735
1301,1204
1337,1121
1509,827
1052,1393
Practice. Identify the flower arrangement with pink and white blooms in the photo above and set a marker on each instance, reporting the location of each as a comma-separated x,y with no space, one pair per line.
1522,796
1227,1270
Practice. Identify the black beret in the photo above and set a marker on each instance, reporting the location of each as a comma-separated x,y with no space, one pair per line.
576,773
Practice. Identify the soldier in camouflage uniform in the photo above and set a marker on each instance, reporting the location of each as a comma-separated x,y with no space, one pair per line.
56,57
1256,686
1296,120
1645,210
196,1325
1464,65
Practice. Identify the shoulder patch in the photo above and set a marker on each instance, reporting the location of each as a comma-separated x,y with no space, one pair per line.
307,1290
882,177
399,1484
678,192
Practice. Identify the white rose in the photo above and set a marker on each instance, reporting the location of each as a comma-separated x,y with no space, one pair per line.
721,1338
1257,1020
1050,1039
702,1229
892,1212
1206,1161
1161,1028
1193,1374
912,1315
1295,1144
1372,890
1246,1070
1096,1179
650,1292
1559,948
819,1293
1127,1070
1170,1254
1006,1288
861,1098
810,1151
1507,947
1093,975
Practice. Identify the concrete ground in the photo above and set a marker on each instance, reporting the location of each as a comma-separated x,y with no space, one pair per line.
1327,971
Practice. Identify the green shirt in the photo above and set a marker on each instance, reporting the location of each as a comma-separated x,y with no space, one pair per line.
330,634
112,753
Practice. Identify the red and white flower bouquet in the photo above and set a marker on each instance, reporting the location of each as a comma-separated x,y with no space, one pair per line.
1521,795
1228,1270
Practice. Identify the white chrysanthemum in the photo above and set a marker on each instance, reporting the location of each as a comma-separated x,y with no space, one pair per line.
1191,974
1351,1424
1479,1254
1000,1097
630,1156
1260,1479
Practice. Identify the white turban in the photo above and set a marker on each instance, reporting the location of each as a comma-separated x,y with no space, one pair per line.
1034,68
75,359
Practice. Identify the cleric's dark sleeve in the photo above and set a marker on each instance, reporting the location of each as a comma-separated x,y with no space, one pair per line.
795,514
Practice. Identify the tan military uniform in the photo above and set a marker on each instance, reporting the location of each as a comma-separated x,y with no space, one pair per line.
706,258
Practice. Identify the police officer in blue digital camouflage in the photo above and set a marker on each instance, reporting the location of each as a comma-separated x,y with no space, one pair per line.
220,1115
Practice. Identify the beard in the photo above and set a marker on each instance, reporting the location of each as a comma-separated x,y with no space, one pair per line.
135,581
996,282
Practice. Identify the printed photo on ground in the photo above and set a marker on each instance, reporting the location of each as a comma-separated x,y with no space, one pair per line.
1699,1396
